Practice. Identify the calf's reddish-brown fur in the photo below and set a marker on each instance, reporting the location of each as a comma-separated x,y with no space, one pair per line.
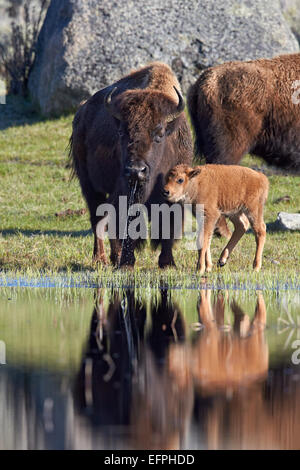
236,192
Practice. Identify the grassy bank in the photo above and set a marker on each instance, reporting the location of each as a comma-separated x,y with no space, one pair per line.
35,187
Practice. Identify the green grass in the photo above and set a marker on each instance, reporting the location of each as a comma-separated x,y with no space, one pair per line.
33,240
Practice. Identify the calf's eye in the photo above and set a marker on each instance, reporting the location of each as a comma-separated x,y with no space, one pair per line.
180,181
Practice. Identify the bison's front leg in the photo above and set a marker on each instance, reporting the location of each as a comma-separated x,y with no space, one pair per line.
98,224
99,255
127,258
175,227
125,242
166,259
115,251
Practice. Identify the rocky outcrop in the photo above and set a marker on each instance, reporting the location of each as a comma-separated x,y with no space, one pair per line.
85,45
291,12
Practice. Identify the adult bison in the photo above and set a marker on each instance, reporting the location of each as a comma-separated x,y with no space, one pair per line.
249,107
129,135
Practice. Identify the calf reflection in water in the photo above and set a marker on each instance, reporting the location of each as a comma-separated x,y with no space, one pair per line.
242,403
225,357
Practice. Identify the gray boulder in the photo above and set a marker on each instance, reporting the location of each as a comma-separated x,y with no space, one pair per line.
291,11
85,45
287,221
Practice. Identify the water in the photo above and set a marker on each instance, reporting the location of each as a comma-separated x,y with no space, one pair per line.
149,369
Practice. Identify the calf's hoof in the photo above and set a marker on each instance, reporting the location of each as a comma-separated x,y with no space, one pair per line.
221,263
200,269
201,272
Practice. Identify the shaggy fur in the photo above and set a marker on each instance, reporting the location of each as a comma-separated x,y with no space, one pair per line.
233,191
247,107
103,146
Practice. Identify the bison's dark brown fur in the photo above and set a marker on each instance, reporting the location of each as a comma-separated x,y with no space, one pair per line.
136,123
242,107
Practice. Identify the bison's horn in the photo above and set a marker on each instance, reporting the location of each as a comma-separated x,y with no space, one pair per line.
180,107
109,105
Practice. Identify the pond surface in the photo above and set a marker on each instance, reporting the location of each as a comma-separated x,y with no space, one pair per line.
149,369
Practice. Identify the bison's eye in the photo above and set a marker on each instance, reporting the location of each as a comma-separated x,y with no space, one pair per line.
180,181
157,138
158,135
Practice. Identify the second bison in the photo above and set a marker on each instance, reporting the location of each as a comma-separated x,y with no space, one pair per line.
249,107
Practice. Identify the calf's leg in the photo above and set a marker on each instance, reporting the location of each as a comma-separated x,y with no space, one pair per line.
208,261
259,229
222,229
204,257
241,225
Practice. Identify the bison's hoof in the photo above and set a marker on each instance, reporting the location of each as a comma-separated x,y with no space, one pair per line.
115,260
163,264
100,260
126,267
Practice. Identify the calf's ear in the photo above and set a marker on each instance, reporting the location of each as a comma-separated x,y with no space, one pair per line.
194,172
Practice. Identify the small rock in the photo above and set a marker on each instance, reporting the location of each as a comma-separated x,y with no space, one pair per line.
274,261
286,198
287,221
71,212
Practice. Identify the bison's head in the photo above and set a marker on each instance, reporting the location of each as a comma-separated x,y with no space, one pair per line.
145,119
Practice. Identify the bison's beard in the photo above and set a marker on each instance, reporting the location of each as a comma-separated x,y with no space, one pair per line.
136,192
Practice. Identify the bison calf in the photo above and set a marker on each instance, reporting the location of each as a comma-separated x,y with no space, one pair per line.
236,192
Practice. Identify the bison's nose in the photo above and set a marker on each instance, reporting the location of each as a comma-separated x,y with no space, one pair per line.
137,171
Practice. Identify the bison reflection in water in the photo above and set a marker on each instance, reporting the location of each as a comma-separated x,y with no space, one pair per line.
145,380
125,139
124,379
